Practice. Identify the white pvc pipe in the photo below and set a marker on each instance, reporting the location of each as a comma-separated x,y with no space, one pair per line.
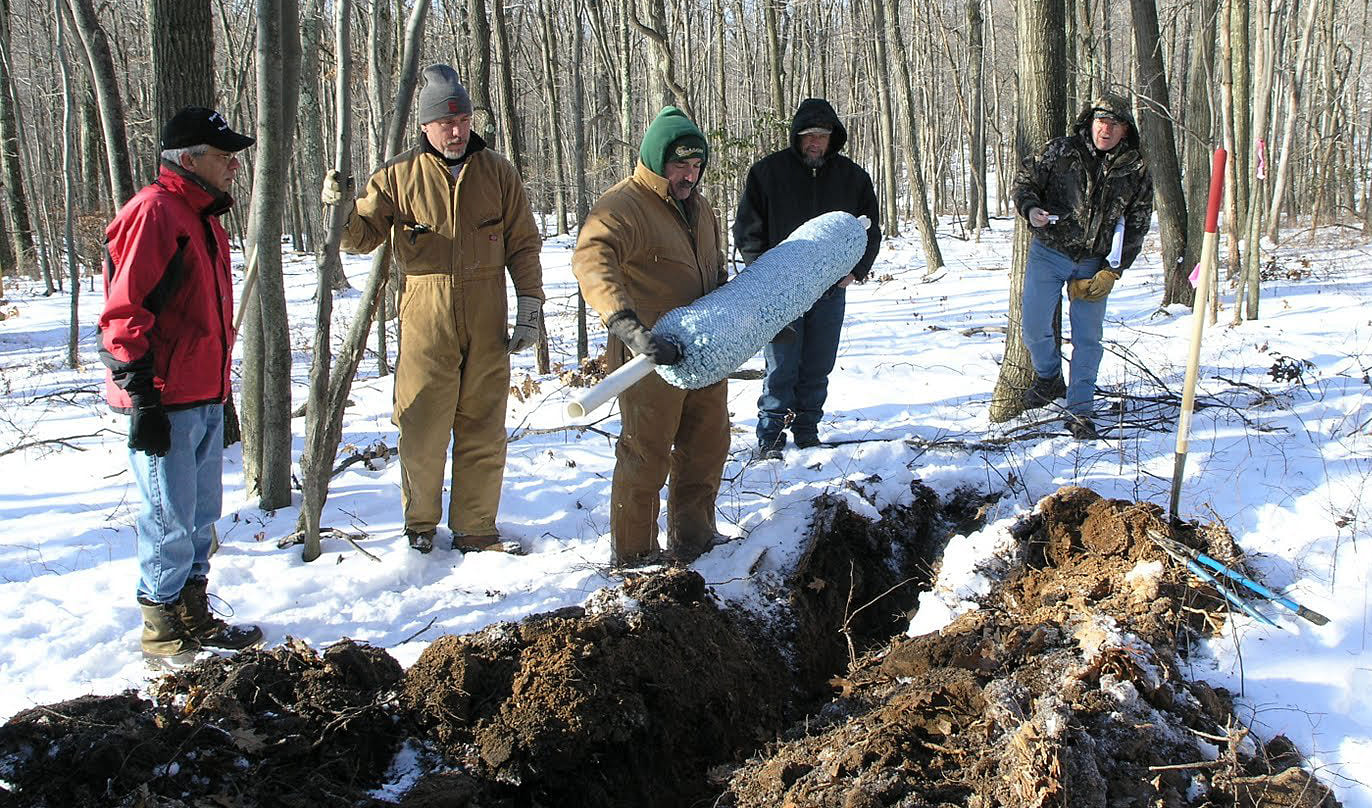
584,404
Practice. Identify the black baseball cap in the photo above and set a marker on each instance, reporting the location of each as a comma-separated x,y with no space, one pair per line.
193,126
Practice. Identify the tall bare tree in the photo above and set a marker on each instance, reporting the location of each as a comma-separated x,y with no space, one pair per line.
1160,150
68,186
181,33
266,414
322,430
14,197
1041,100
100,66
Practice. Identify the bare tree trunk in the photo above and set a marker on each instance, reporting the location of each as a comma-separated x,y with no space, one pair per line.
181,33
919,195
1281,182
1160,150
380,64
977,216
655,30
1200,127
1232,221
68,187
323,443
322,430
266,340
479,83
550,99
509,118
1240,70
11,173
311,157
1042,104
1246,302
885,126
769,21
103,78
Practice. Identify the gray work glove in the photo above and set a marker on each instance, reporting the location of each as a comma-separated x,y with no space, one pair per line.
336,188
525,331
630,330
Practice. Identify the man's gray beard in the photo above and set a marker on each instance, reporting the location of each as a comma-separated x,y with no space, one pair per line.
813,162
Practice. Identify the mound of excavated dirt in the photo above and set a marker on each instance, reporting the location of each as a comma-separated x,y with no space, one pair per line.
285,727
1062,690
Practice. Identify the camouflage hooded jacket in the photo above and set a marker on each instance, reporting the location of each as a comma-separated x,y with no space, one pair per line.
1089,191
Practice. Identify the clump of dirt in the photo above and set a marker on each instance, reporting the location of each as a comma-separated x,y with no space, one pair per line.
621,704
1061,690
286,727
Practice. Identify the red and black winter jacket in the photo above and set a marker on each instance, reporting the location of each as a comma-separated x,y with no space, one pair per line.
166,333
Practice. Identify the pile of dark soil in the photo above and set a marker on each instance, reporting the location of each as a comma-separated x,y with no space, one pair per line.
1063,689
285,727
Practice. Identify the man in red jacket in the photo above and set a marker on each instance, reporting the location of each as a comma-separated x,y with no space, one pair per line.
166,337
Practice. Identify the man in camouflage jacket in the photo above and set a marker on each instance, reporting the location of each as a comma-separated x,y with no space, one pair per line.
1075,194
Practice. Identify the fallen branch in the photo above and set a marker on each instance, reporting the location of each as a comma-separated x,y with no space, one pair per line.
74,391
417,633
64,441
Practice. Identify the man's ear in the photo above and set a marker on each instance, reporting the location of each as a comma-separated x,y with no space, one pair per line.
185,160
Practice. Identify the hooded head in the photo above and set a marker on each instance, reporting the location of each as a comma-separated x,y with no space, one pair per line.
1113,112
672,136
816,116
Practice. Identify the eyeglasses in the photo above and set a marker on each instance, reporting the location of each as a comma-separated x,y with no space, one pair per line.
227,156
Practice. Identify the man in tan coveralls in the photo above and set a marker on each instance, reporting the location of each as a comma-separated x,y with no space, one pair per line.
457,218
651,244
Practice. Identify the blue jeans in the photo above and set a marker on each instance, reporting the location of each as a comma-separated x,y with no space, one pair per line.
1045,275
797,379
182,497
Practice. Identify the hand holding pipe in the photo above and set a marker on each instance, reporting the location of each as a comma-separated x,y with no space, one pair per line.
720,331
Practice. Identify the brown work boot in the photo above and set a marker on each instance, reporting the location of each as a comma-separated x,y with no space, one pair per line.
166,640
488,542
205,626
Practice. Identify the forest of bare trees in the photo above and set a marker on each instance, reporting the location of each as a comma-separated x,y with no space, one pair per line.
931,90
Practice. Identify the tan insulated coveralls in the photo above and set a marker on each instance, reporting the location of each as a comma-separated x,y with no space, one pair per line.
453,240
636,251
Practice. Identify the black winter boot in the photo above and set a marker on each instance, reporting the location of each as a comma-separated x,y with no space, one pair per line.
1044,392
421,540
1082,428
166,640
205,626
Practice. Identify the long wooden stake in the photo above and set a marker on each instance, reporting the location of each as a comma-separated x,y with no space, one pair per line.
1207,270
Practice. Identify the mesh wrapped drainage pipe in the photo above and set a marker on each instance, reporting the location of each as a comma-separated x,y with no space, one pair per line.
720,331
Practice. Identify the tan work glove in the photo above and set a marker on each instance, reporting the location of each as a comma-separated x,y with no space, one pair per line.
1094,288
525,332
335,188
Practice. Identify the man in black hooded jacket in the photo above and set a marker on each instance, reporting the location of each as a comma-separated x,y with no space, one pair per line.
784,190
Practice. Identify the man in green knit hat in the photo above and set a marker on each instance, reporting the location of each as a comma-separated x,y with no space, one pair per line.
649,245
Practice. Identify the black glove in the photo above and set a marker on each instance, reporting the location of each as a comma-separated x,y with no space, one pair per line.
150,429
631,331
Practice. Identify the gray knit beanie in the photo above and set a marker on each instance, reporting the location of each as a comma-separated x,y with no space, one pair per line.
443,95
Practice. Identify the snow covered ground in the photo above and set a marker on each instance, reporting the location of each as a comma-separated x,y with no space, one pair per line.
1283,459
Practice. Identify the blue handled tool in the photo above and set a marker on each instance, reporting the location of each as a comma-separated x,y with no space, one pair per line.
1193,559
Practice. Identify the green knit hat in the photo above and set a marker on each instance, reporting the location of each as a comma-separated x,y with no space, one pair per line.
672,136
